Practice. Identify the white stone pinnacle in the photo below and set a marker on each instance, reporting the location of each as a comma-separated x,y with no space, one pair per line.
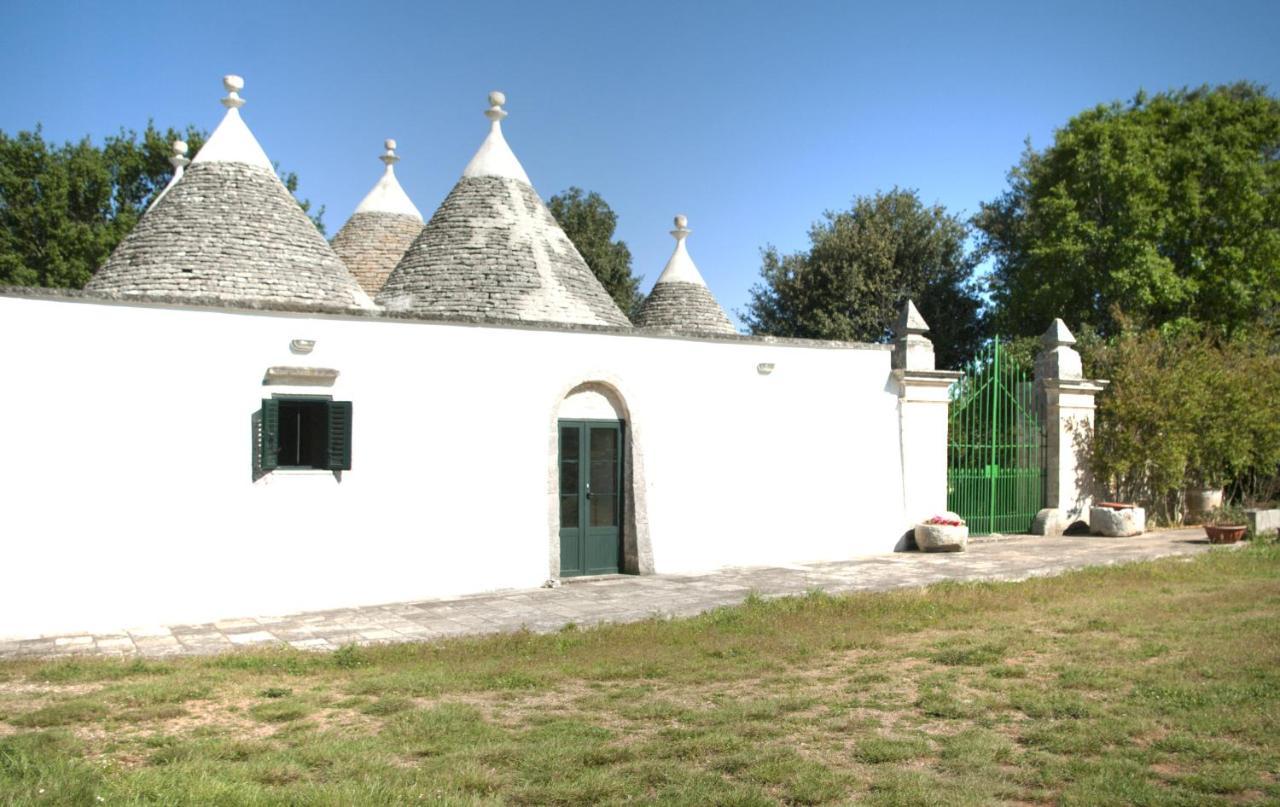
910,321
233,86
494,157
179,159
681,268
1058,335
495,110
389,157
232,142
387,196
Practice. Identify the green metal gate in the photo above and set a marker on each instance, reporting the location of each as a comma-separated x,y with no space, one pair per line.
995,446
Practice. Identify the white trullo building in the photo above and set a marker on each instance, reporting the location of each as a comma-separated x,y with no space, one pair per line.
231,421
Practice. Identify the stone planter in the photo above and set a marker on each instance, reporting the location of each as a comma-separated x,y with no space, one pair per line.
941,538
1117,521
1200,501
1262,521
1227,534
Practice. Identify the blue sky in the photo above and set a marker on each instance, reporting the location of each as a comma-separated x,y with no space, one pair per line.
751,118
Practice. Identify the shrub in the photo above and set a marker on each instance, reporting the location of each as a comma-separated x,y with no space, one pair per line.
1184,409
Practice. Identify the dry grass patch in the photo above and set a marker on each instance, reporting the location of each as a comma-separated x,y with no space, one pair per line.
1153,683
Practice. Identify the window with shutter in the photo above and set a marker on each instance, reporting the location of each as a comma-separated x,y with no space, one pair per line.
305,432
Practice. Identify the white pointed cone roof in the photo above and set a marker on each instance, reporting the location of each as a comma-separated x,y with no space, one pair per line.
681,268
387,196
232,142
495,158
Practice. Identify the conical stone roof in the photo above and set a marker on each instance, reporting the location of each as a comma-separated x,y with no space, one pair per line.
680,300
376,236
229,230
493,250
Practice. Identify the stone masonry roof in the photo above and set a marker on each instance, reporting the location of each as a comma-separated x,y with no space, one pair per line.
371,244
494,250
308,310
680,300
679,306
230,231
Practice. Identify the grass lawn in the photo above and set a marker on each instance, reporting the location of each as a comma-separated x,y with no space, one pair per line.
1153,683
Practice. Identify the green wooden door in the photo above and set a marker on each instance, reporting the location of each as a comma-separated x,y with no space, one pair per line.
590,497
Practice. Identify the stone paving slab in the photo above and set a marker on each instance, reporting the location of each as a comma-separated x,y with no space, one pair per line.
623,598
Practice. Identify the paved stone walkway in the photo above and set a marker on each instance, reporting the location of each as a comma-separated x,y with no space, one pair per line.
619,598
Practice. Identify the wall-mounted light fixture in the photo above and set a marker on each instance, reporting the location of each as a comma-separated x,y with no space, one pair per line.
764,367
302,346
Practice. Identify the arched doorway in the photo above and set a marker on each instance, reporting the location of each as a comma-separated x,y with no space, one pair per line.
595,494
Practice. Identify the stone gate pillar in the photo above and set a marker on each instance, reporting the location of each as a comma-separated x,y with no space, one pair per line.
922,419
1066,400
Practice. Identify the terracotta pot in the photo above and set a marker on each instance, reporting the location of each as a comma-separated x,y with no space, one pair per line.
1115,505
1228,534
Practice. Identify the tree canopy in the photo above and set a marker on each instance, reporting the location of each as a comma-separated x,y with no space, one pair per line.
590,223
1164,209
862,265
63,208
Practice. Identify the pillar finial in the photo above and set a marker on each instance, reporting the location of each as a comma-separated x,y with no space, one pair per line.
495,112
1058,335
389,157
233,85
910,321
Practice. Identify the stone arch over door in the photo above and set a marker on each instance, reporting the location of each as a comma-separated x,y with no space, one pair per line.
602,400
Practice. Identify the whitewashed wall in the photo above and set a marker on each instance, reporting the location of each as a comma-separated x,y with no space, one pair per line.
126,495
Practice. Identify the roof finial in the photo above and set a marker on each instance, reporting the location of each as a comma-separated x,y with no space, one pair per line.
495,112
390,158
179,159
681,232
233,85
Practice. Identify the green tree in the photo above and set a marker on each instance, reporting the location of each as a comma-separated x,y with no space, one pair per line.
64,208
1165,209
862,265
589,222
1185,408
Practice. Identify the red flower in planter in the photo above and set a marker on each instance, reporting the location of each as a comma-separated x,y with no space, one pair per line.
946,522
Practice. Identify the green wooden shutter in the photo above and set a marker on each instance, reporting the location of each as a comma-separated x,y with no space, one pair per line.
339,436
270,434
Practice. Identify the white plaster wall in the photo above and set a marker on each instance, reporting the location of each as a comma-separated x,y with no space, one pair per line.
126,495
